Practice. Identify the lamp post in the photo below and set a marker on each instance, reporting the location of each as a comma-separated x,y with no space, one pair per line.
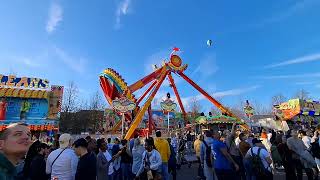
167,106
123,105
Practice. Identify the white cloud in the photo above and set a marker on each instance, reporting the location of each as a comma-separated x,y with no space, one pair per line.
27,61
76,64
276,17
155,59
55,17
290,11
308,75
305,83
122,10
207,66
299,60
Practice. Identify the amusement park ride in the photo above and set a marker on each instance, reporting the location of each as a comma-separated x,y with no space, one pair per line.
115,87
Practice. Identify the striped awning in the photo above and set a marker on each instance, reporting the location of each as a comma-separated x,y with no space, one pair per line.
24,93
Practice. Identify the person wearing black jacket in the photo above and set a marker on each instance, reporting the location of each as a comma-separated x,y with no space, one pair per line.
87,165
37,170
126,161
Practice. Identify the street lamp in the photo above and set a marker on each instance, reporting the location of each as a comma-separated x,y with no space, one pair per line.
167,106
123,105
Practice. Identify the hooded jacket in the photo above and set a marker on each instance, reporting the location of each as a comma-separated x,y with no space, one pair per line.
163,148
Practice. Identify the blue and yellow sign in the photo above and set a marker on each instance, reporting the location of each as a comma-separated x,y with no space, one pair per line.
12,81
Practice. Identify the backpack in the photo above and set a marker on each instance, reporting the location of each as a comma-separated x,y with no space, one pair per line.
208,154
256,164
315,149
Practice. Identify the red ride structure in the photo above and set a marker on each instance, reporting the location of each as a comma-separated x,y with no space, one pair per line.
114,87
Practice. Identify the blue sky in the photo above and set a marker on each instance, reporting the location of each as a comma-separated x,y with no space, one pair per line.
260,48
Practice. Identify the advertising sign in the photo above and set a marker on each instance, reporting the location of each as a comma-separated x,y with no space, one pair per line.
288,110
55,101
12,81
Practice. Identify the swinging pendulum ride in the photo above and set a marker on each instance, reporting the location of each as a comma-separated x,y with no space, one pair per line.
115,87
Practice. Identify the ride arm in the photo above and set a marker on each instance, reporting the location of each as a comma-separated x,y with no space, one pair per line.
205,94
142,82
140,114
177,94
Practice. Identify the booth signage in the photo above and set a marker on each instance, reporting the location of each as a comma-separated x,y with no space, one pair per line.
12,81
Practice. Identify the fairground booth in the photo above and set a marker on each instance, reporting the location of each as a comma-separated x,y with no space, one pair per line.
298,112
219,122
30,100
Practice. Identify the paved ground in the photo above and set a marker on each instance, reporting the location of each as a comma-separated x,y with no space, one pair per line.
186,173
191,173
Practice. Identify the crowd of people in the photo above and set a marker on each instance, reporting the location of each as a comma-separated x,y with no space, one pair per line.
244,155
87,158
222,155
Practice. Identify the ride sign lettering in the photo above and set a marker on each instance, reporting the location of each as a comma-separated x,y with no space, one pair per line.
12,81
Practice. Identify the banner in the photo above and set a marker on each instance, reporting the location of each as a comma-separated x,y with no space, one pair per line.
55,102
287,110
12,81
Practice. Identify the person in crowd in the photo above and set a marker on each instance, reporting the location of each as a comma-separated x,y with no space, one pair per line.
286,157
163,148
87,165
258,150
56,144
315,146
249,139
174,142
302,159
197,145
15,141
117,161
109,145
92,145
265,141
181,149
234,152
305,139
237,139
131,142
151,163
126,160
62,163
244,146
224,165
105,161
137,152
32,152
172,162
206,158
276,139
189,143
37,170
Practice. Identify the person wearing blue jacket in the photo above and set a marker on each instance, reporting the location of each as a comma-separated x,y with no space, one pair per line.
206,159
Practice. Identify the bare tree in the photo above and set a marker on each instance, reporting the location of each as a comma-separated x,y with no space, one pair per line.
302,94
260,109
278,99
215,111
70,98
195,106
96,104
69,106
